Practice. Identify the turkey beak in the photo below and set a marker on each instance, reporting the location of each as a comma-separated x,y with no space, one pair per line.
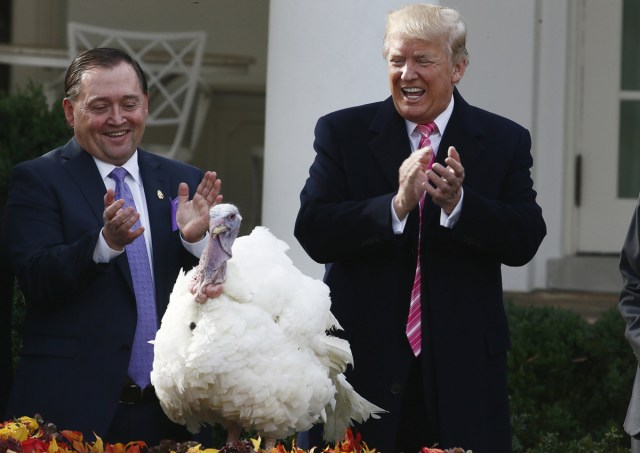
217,226
217,229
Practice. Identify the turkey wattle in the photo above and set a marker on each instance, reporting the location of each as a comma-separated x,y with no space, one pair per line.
259,356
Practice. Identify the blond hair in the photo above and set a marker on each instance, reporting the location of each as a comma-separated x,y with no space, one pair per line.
429,22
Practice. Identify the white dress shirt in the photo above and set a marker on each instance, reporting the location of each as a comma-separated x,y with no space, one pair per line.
441,121
103,253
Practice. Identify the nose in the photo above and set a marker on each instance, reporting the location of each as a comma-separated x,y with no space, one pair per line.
408,71
117,115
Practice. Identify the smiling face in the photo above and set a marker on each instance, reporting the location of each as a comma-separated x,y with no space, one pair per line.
108,115
421,77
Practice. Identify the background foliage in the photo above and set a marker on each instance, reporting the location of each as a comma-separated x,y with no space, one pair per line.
569,381
28,128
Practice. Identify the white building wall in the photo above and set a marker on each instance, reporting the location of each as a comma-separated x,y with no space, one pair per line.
551,131
327,55
323,56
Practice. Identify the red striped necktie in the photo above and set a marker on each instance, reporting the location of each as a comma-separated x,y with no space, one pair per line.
414,329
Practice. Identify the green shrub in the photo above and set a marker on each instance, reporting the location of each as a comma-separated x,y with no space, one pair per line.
29,128
569,381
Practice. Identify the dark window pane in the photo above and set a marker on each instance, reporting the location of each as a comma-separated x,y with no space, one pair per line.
630,46
629,154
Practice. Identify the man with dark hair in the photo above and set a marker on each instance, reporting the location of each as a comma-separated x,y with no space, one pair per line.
97,231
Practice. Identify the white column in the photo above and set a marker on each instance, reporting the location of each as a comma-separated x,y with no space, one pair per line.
323,56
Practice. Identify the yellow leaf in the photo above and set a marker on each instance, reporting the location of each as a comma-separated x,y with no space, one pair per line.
29,422
53,446
97,446
15,431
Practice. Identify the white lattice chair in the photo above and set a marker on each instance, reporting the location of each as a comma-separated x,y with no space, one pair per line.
171,62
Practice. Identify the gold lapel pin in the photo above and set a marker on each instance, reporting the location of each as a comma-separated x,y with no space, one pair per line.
160,195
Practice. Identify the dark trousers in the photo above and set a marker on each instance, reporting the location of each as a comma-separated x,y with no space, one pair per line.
635,444
418,421
144,421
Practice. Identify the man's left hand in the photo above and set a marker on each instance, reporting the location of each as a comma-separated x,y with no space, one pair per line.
445,184
193,216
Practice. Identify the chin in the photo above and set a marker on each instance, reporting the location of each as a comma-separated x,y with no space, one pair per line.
413,113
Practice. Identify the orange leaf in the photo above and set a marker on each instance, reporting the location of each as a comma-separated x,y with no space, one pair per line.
80,447
115,448
72,436
135,447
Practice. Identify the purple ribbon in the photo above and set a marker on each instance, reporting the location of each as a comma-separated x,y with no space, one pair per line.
174,213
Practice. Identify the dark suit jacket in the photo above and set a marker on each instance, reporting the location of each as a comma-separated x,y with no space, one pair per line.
345,220
629,306
81,316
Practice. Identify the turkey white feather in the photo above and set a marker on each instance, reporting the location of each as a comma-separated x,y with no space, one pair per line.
261,355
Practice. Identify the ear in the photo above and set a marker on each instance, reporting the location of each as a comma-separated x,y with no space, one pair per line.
67,106
458,71
146,105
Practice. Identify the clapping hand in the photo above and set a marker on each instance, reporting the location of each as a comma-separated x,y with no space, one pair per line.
193,215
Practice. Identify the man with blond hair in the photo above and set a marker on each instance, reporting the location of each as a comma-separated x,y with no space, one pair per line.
414,204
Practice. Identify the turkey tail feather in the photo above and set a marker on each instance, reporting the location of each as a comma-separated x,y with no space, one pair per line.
350,407
338,354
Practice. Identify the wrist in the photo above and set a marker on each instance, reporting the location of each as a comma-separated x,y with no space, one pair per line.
192,240
111,244
400,206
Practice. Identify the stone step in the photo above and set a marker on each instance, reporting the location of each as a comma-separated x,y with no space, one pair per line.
597,273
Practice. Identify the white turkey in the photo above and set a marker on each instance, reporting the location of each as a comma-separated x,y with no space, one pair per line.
260,356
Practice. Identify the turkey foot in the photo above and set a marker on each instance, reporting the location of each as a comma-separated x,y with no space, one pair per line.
233,433
269,443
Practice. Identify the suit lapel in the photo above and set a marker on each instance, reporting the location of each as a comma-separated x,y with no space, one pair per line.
84,172
390,143
158,196
465,134
389,147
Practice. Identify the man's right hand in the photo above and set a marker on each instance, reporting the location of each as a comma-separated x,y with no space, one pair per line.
412,179
118,222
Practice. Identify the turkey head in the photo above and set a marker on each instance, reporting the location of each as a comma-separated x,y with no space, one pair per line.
224,225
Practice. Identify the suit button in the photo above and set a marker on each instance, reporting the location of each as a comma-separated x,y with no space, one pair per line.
396,388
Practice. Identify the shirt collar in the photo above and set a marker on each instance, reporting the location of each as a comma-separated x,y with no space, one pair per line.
441,120
131,166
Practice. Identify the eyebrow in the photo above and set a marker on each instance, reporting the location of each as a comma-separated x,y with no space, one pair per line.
126,97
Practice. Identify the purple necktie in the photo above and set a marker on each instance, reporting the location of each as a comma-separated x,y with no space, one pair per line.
414,329
141,360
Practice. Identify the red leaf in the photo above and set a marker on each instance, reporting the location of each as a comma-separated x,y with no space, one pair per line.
33,445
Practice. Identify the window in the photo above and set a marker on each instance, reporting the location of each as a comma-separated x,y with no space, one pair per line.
629,133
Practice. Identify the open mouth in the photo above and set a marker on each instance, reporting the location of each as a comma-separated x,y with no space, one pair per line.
116,134
413,93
